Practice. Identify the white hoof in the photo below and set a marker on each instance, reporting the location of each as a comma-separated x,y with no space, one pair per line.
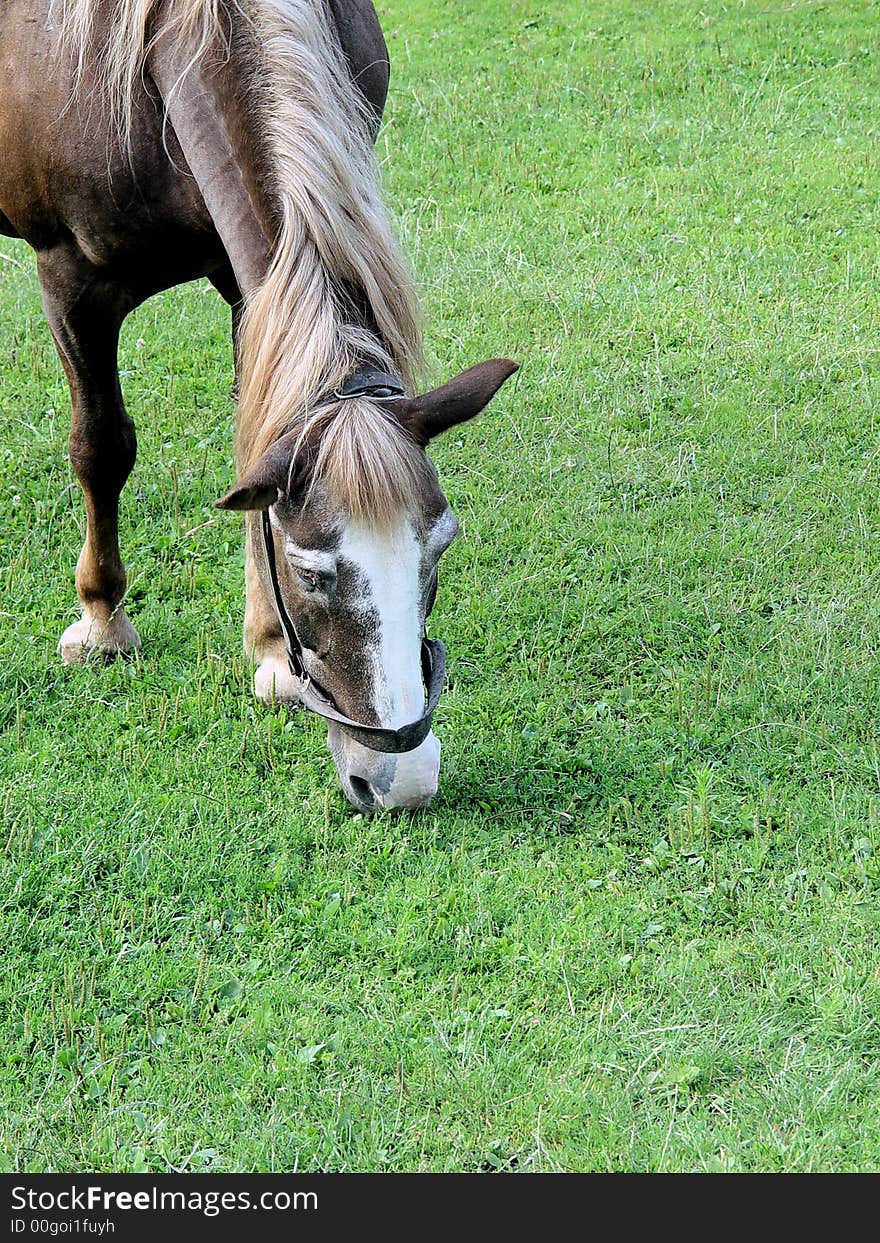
93,637
273,681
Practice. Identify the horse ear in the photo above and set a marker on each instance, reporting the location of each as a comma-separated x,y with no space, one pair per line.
266,482
427,416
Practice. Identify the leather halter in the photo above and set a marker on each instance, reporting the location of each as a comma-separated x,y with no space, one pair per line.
378,386
372,383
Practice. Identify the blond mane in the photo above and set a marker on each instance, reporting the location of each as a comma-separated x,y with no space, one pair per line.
296,343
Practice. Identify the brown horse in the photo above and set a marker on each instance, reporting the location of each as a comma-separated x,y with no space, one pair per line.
150,142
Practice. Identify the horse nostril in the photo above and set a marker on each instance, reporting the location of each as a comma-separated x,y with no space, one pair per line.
362,791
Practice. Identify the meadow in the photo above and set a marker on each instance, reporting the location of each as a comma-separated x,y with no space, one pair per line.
638,928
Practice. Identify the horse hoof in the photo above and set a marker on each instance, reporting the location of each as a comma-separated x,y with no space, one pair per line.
273,682
94,639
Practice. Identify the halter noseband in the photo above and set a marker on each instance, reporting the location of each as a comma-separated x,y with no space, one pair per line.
378,386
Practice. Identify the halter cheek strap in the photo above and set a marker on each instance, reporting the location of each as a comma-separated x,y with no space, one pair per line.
378,386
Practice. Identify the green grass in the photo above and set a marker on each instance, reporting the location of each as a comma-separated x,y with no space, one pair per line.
638,930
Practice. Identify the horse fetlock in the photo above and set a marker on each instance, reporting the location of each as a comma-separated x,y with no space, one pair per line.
273,681
99,633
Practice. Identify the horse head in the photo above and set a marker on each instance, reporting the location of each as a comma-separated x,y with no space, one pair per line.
354,523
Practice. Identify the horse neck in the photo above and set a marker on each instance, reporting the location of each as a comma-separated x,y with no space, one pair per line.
278,141
205,98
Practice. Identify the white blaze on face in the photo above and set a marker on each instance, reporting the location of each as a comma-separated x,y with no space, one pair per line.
390,564
390,568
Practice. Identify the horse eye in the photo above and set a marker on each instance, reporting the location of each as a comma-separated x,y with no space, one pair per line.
307,580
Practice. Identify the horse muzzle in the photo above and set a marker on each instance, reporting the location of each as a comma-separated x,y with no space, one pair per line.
384,780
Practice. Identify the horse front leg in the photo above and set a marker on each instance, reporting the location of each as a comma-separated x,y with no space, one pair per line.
85,314
263,641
